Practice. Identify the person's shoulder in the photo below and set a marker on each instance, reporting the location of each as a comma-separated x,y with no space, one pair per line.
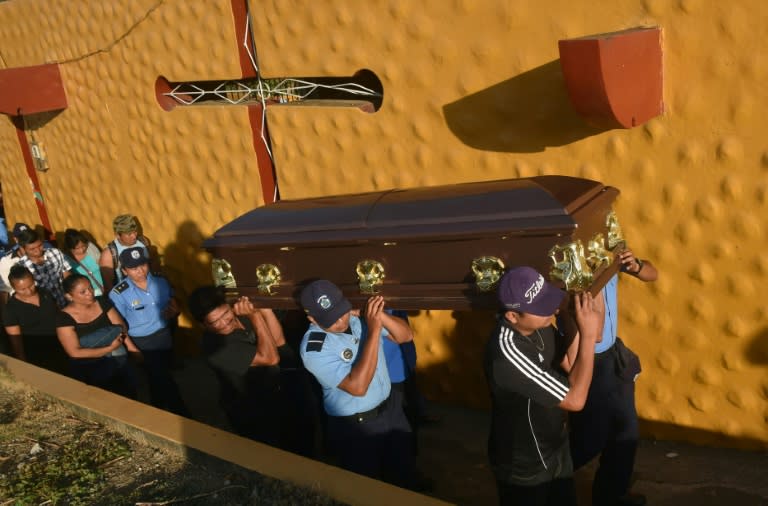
121,287
314,340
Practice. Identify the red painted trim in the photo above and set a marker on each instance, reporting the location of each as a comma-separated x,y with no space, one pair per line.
615,80
26,153
30,90
264,162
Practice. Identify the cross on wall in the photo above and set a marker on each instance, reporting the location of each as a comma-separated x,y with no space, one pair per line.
362,90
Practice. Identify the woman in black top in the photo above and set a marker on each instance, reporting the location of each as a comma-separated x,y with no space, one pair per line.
29,319
101,366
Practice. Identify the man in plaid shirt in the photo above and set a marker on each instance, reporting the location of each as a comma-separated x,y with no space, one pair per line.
48,266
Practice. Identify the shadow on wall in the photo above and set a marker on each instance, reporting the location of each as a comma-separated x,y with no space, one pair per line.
459,378
187,266
757,351
524,114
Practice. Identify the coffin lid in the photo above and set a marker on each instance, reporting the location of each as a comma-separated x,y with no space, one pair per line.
542,203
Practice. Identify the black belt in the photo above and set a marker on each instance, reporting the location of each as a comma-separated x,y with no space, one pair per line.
367,415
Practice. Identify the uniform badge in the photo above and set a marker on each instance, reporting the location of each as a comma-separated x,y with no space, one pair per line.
346,355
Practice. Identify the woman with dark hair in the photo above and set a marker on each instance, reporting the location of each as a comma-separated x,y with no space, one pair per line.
76,246
29,318
93,334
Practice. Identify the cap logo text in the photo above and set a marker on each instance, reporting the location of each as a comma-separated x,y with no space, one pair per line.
534,290
324,302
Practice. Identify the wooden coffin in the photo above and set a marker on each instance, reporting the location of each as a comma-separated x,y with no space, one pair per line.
442,247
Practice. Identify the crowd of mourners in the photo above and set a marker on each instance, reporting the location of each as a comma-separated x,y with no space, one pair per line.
338,381
105,316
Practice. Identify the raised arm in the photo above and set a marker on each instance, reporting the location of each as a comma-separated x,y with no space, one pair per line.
266,350
398,328
359,378
643,270
274,326
590,313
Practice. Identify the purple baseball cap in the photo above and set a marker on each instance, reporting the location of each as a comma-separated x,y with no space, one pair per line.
524,290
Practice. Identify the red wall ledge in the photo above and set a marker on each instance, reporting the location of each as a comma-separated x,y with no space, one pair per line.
30,90
614,80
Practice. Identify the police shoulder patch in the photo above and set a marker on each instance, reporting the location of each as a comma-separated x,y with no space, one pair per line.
121,287
315,341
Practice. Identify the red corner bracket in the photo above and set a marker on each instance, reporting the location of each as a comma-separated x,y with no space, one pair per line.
614,80
30,90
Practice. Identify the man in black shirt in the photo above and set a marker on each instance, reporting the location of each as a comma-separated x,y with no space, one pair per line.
535,378
263,389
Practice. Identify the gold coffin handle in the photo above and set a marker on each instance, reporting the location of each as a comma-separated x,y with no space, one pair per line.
370,275
569,265
615,234
268,276
488,271
597,255
221,271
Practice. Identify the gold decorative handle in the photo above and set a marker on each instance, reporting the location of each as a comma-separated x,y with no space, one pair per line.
488,271
569,265
615,235
221,271
370,274
269,277
597,255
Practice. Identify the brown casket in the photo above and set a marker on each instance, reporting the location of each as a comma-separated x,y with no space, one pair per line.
441,247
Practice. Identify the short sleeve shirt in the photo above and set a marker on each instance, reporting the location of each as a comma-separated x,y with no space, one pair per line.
142,309
330,357
33,320
527,384
231,356
50,273
65,320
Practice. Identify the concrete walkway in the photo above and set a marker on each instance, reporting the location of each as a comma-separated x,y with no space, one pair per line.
453,453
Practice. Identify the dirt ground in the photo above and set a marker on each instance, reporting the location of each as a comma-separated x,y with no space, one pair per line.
49,456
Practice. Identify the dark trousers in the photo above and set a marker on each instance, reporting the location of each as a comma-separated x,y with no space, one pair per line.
378,447
163,390
559,492
607,426
109,373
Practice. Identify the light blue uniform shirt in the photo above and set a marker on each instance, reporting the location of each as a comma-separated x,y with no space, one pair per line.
330,359
611,322
142,309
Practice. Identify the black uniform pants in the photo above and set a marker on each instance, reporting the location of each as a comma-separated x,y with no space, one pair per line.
163,390
379,447
607,426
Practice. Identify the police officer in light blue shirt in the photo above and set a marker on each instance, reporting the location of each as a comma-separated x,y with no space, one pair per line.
367,431
146,303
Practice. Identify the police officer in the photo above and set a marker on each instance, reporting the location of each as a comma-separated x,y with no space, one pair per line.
368,432
146,303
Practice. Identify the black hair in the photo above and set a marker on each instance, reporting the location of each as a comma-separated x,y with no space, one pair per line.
205,299
70,281
26,237
18,272
72,237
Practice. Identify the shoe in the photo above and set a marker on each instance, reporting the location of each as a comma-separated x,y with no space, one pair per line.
631,500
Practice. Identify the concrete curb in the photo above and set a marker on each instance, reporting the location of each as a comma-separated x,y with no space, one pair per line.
185,437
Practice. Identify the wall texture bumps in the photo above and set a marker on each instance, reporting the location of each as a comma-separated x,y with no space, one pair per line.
472,91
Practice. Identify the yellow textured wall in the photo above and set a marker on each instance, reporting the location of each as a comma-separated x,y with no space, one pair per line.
114,150
472,91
